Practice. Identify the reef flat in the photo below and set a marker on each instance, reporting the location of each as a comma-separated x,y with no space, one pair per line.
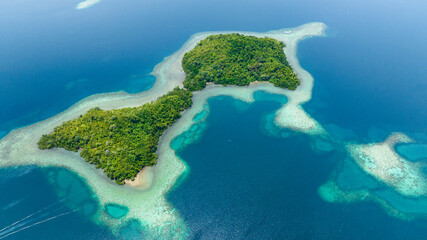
124,141
381,161
148,205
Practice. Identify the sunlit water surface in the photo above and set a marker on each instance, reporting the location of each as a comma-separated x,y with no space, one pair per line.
246,178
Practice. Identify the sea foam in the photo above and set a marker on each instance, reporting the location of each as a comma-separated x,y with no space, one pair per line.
87,4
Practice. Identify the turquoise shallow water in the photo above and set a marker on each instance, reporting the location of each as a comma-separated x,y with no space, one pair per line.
245,183
369,81
116,211
53,203
413,152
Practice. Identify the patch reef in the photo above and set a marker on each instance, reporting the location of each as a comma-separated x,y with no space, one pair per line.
149,205
381,161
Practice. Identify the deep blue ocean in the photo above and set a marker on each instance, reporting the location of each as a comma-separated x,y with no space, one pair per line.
244,183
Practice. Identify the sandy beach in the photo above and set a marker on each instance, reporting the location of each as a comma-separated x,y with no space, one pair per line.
143,180
146,201
145,195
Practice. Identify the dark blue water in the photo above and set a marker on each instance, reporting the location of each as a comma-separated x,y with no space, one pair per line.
369,78
53,55
370,71
48,203
245,184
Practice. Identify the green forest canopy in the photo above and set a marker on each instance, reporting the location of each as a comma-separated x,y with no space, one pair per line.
124,141
121,141
235,59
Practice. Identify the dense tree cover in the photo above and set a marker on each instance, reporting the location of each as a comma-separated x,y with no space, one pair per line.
235,59
120,141
124,141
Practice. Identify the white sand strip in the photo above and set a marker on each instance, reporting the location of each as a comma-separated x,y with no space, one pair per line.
143,180
149,206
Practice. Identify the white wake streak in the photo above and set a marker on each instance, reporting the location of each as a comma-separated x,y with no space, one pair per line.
37,223
39,211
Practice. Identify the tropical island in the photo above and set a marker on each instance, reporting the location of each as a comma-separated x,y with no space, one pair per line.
149,206
235,59
124,141
120,141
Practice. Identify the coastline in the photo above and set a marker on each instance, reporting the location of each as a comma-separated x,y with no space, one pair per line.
145,196
149,206
143,180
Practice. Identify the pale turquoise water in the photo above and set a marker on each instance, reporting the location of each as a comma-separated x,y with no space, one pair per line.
369,81
116,211
251,184
413,151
